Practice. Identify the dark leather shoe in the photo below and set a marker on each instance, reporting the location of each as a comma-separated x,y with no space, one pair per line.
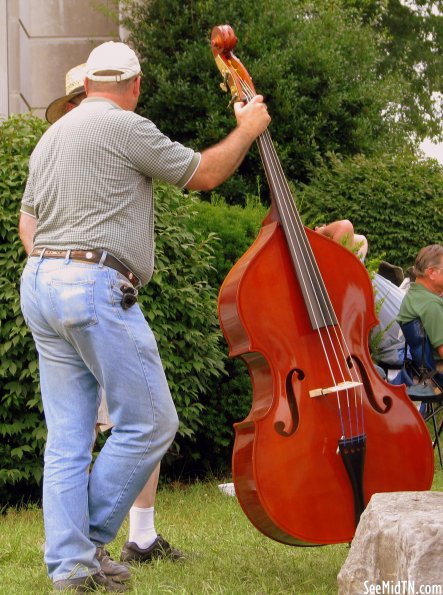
159,549
86,584
112,569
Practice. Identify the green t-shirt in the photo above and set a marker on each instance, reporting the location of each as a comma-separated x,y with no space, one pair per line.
421,303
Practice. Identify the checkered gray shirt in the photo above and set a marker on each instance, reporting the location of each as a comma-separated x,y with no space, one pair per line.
90,182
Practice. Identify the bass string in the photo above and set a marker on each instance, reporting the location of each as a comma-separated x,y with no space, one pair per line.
297,234
311,278
328,344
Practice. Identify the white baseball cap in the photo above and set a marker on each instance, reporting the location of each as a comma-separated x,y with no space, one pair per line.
111,62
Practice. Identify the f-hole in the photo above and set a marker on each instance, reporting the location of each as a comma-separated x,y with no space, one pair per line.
292,404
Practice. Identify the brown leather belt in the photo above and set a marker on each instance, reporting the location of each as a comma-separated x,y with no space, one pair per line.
91,256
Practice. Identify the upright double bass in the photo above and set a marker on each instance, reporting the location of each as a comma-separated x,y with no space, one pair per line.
324,432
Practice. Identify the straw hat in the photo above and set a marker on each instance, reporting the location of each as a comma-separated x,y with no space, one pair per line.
74,86
112,61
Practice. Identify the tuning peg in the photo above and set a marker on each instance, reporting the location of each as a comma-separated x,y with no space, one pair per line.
234,98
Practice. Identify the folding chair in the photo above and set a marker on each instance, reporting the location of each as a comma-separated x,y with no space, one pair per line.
425,382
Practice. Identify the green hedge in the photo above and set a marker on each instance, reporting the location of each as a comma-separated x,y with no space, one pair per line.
236,228
230,398
396,201
22,429
180,306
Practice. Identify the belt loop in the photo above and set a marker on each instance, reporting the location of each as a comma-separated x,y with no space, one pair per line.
102,259
40,260
68,256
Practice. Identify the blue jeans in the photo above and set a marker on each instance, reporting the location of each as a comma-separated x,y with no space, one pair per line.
86,340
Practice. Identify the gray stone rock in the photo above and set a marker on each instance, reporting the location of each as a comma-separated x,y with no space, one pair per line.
397,548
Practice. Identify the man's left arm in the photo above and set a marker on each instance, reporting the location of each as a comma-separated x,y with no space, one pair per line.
26,230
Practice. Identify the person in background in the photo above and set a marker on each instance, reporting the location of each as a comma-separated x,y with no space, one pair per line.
87,224
424,299
342,231
144,544
388,335
75,93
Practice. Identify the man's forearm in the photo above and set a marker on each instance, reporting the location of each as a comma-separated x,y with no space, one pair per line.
26,230
219,162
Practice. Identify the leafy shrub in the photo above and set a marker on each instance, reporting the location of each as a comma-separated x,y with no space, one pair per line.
180,306
230,397
22,429
396,201
235,227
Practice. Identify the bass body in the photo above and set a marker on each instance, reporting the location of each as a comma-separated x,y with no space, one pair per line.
289,476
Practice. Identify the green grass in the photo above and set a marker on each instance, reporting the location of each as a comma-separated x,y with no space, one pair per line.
226,554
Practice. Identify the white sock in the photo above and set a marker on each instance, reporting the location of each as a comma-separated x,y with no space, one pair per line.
141,526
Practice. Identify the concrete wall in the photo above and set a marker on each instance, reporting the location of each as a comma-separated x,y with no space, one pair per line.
4,90
43,39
